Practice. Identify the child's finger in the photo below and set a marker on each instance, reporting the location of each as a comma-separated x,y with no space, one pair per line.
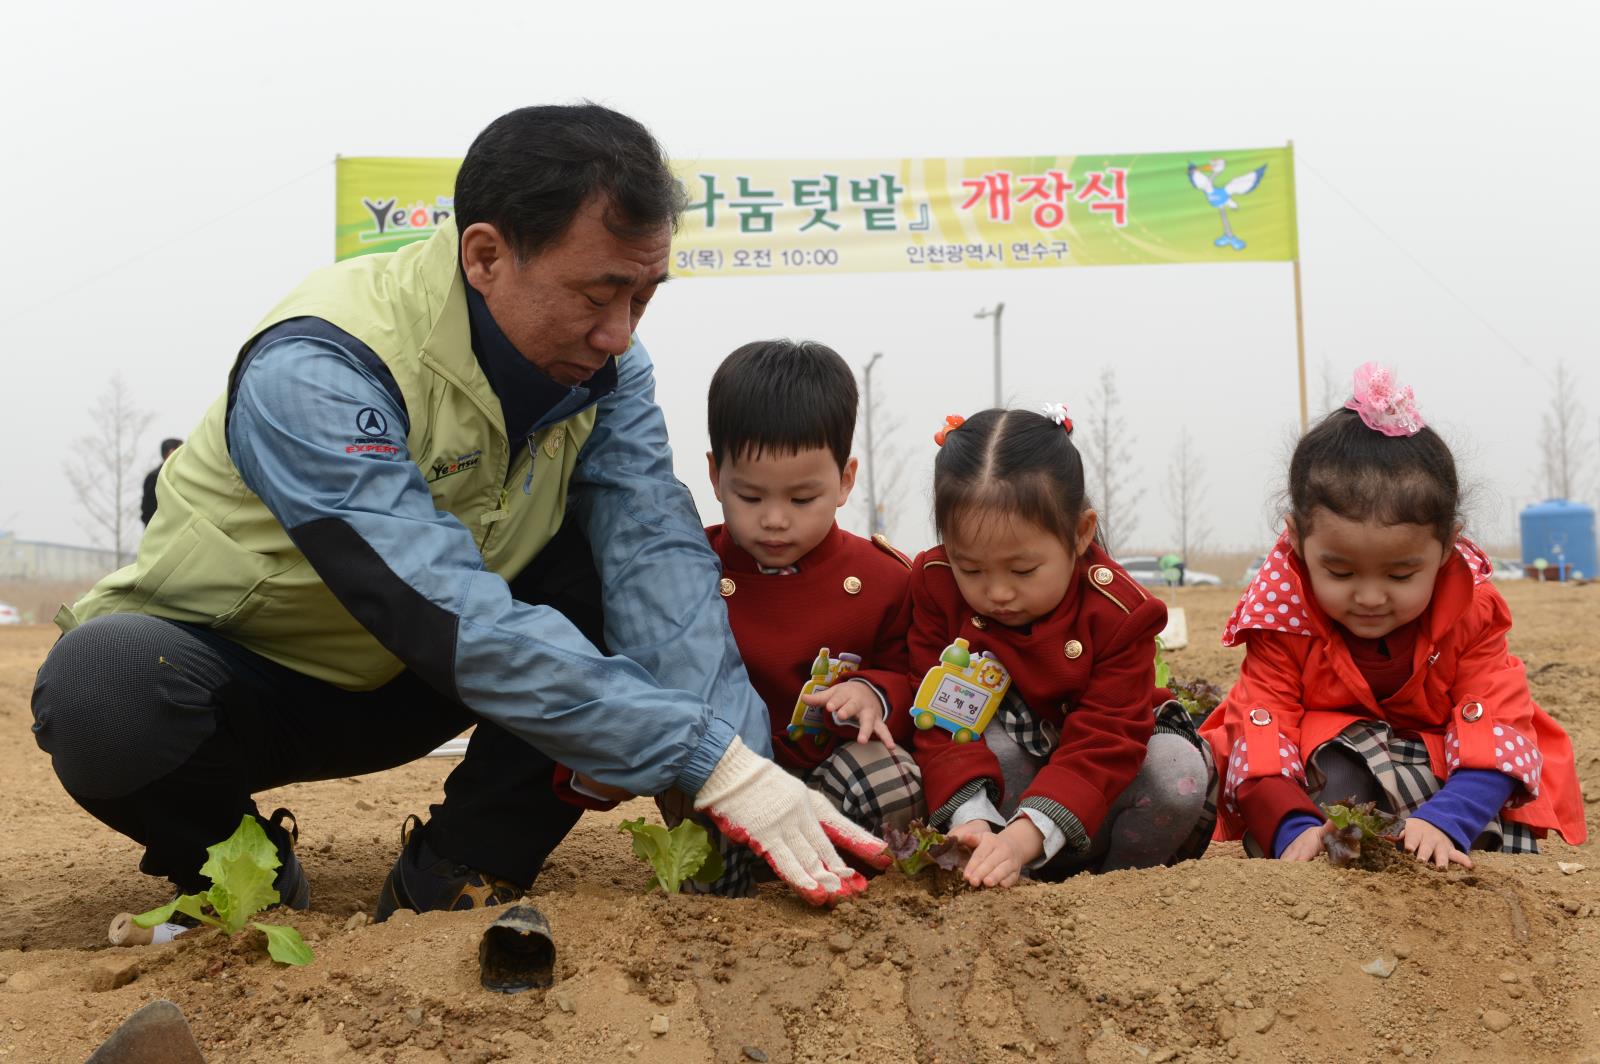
864,732
1460,858
881,730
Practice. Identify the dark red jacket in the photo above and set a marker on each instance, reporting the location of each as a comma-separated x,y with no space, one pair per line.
1467,700
1089,668
849,596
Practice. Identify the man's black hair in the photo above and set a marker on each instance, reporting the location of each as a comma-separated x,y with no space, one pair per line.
530,171
169,445
782,397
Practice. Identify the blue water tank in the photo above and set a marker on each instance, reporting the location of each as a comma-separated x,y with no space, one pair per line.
1562,533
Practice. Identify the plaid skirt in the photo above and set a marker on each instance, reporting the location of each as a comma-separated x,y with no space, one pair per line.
1405,780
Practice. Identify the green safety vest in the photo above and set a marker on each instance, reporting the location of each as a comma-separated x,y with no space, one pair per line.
214,555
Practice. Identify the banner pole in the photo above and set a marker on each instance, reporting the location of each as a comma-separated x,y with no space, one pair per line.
1299,313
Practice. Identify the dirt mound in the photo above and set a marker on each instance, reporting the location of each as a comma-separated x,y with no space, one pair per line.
1219,959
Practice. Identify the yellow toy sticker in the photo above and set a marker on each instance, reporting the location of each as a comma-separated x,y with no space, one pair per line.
825,672
962,693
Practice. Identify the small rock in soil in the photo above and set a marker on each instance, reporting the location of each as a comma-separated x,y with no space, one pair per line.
112,972
1570,868
27,982
841,942
364,805
1382,967
414,1017
564,1001
357,920
1509,977
1495,1020
659,1024
752,1053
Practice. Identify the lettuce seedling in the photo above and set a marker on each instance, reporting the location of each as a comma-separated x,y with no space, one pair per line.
919,846
1353,826
683,853
241,869
1198,696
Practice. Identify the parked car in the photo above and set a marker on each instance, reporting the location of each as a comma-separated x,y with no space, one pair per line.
1146,568
1252,569
9,614
1507,569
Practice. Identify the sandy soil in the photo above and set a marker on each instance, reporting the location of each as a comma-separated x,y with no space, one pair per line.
1215,960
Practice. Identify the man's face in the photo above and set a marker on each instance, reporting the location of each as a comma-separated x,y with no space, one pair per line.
778,507
576,302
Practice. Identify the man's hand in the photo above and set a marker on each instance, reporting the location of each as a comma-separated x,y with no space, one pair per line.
1430,844
757,804
1307,846
998,860
854,700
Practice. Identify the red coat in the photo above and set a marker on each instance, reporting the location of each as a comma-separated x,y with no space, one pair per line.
780,621
1099,692
1467,698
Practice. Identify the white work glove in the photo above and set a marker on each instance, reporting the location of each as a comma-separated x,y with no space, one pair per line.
757,804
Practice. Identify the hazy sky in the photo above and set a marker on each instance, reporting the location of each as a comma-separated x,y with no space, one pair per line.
169,178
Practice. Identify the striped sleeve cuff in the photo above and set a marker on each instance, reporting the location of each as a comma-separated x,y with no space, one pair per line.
939,819
1077,839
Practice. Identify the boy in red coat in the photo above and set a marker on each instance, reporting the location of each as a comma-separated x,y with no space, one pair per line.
809,603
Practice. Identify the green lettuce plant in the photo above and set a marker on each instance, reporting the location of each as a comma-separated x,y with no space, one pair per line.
241,869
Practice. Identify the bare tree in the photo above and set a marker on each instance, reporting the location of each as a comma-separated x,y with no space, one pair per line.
881,481
104,468
1186,497
1561,446
1333,393
1108,456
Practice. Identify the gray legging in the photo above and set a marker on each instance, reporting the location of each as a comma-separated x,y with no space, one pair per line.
1146,824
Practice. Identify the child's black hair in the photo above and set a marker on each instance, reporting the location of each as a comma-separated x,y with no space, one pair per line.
1009,463
1360,474
783,397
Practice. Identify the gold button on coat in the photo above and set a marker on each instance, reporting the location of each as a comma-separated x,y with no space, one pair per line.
1260,718
1101,575
979,623
726,587
1073,649
852,585
1471,711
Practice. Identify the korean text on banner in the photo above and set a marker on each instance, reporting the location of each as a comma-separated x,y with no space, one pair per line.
818,217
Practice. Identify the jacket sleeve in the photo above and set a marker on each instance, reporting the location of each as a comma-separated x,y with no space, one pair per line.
1491,722
413,576
1264,778
952,773
1105,735
658,574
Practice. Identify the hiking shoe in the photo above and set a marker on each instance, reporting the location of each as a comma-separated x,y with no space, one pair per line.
423,881
294,889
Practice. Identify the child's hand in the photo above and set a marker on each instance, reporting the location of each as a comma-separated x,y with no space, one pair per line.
998,860
857,701
970,833
595,787
1307,846
1431,844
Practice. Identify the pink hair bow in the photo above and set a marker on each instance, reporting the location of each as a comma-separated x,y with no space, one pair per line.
1384,407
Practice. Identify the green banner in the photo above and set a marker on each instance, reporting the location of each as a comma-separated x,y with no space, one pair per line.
754,217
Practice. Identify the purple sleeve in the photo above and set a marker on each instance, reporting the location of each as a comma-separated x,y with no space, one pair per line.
1466,803
1290,828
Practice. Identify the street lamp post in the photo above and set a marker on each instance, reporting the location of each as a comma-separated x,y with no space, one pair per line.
874,519
999,309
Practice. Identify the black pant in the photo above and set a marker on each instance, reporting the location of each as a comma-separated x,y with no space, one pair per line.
164,731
